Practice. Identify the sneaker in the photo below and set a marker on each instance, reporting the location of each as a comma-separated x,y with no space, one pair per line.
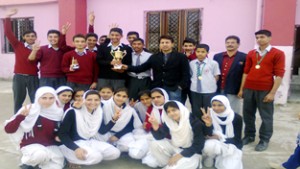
208,162
261,146
247,140
276,166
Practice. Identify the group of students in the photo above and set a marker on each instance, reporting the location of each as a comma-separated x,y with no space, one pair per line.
190,73
96,126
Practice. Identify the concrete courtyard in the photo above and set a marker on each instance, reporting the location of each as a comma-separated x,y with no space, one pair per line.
282,144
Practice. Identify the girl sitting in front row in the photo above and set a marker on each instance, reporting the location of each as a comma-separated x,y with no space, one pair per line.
79,129
187,133
64,94
35,127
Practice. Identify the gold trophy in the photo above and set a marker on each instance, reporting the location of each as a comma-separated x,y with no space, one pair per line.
118,56
75,64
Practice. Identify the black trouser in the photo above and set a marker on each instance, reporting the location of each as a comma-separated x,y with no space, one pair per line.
136,85
22,84
184,94
253,99
54,82
200,100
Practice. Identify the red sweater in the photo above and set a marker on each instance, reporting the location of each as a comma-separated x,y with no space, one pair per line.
88,67
22,64
272,65
44,135
50,62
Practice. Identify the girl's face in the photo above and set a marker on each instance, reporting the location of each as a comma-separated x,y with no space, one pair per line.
120,98
106,93
92,102
158,99
218,107
173,113
65,97
46,100
146,100
78,95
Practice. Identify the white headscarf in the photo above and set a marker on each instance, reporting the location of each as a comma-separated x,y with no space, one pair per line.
155,109
217,122
127,113
60,90
53,113
87,123
181,133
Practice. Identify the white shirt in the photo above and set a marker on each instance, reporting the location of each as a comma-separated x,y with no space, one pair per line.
28,46
94,49
262,53
114,47
208,82
50,46
143,58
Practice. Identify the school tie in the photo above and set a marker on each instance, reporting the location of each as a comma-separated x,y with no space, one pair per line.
138,60
198,74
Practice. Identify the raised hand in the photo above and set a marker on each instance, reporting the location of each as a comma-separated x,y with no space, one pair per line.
206,117
26,110
113,25
65,28
117,113
36,46
153,121
91,18
11,12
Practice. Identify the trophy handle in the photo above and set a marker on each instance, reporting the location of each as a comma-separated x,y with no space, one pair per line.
124,53
112,53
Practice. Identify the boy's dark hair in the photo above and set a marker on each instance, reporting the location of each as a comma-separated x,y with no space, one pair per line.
53,31
157,90
189,40
170,104
91,92
121,89
103,36
119,30
143,93
264,32
133,33
202,45
107,87
28,32
78,36
166,37
233,37
138,39
91,35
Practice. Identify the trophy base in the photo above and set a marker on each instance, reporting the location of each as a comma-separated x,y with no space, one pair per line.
117,66
76,67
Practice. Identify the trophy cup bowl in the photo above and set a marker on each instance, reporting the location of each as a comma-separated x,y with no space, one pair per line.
118,56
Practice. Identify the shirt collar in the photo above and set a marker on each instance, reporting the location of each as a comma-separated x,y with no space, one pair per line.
140,53
50,46
110,44
204,61
27,45
84,51
94,49
267,49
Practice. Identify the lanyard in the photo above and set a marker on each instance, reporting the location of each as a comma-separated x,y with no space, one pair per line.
262,57
200,71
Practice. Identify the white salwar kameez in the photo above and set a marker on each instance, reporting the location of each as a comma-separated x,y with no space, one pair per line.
36,154
134,143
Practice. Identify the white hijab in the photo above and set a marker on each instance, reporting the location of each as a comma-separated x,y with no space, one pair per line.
53,113
126,114
60,90
181,133
217,122
155,109
88,124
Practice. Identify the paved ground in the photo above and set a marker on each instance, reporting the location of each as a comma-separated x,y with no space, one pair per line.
281,146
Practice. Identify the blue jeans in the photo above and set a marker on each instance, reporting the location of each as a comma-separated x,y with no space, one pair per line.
174,95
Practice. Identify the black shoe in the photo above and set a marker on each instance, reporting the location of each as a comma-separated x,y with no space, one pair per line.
24,166
247,140
261,146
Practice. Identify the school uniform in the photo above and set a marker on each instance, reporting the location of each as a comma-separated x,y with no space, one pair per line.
187,138
294,160
203,83
60,90
36,132
139,81
80,129
232,69
226,151
141,110
106,76
25,72
87,72
127,129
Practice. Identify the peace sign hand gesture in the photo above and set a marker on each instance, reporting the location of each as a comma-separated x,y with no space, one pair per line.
206,116
26,110
117,114
153,121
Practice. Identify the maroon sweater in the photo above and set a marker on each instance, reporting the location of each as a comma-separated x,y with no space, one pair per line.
44,135
272,65
22,64
88,68
50,62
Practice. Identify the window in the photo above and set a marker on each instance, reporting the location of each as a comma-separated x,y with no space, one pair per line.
179,24
19,26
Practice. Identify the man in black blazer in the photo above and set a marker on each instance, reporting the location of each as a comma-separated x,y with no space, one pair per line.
231,63
170,69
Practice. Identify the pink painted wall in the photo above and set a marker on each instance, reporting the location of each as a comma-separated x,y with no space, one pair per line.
220,18
297,12
19,2
45,18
